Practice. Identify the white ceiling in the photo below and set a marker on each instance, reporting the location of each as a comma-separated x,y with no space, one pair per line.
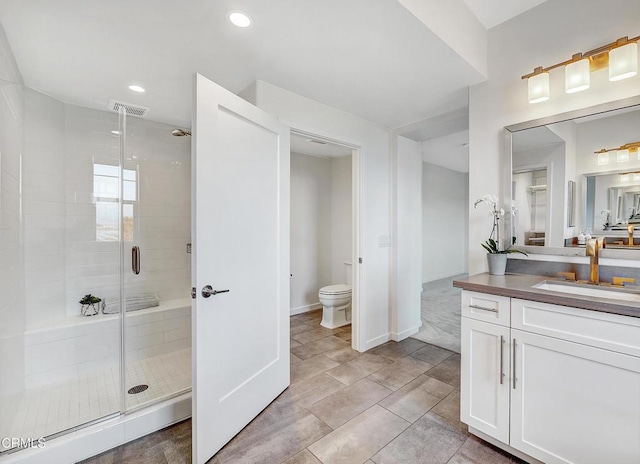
372,58
493,12
305,146
450,151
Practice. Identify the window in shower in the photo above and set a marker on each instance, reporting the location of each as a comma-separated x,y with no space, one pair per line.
106,194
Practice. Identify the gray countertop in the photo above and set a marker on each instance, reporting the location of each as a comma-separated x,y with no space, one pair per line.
521,286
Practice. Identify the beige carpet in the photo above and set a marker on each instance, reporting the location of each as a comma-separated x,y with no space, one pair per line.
441,314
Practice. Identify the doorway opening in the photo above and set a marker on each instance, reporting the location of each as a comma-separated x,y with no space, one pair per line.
324,237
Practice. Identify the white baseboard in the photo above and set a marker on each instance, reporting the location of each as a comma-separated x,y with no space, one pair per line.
377,341
305,309
405,333
98,438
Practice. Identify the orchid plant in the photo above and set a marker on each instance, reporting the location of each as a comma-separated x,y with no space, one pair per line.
492,244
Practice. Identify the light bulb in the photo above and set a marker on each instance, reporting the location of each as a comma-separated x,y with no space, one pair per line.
538,87
577,76
623,62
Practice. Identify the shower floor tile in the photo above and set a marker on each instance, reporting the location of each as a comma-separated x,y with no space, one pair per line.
61,406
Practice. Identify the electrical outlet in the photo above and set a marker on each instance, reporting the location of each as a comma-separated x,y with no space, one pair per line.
384,241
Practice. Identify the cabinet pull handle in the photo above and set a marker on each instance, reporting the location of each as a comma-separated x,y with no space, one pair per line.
514,363
501,359
483,308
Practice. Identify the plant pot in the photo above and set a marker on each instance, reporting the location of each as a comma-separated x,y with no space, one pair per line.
90,309
497,263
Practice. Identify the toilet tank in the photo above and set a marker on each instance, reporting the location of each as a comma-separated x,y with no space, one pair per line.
348,273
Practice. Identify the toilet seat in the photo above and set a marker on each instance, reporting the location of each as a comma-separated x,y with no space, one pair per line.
338,289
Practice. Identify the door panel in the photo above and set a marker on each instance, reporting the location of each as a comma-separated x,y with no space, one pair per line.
241,244
574,403
484,396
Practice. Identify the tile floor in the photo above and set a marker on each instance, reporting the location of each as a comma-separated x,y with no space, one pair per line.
398,403
53,408
440,307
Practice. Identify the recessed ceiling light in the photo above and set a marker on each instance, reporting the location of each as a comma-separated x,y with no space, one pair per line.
136,88
115,132
240,19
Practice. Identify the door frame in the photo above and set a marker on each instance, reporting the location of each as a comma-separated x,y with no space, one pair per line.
357,232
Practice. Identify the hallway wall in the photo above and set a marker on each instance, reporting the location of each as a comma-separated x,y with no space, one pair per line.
445,212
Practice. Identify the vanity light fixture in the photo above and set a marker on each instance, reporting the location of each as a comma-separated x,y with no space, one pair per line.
621,57
622,153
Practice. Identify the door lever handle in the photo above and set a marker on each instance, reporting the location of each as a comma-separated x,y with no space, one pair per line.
208,290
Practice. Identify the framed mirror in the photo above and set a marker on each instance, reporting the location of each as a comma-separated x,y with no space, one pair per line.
574,174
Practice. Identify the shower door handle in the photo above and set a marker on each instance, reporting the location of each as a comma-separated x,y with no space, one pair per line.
208,290
135,260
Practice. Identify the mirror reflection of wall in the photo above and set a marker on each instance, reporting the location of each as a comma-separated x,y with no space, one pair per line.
613,201
538,163
530,202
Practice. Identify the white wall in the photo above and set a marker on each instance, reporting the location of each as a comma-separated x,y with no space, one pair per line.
406,288
320,226
63,258
341,218
311,218
444,217
315,118
515,48
12,325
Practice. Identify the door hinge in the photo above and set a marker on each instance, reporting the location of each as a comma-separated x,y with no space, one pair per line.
193,293
360,260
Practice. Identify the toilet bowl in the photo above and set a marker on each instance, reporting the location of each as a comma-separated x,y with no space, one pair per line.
336,305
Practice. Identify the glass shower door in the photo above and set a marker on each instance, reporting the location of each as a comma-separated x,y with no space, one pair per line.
156,196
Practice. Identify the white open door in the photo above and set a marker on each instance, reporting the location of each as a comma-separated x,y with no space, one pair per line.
240,224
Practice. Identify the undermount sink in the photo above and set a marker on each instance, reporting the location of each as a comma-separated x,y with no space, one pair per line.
589,290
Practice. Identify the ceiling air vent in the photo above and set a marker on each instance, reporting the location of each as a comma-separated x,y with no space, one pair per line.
132,110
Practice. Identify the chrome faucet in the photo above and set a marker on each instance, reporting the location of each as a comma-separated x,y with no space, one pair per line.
630,230
594,245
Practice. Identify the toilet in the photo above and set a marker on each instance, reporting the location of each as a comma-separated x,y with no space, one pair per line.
336,305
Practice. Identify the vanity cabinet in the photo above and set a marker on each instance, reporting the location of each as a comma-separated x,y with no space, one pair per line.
571,386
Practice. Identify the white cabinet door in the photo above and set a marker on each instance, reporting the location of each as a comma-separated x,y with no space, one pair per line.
573,403
484,392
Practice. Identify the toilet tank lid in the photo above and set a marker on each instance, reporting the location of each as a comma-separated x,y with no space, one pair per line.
336,289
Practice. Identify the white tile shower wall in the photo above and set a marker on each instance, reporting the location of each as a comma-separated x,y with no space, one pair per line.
60,353
11,255
64,260
44,209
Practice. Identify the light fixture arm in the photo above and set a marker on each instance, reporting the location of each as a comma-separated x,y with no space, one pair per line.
596,56
631,146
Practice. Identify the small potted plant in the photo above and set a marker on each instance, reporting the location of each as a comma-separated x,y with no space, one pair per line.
90,305
496,258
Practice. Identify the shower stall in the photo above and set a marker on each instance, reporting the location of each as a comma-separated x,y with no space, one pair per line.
94,208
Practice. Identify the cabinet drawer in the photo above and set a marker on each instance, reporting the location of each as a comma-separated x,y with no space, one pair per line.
485,307
602,330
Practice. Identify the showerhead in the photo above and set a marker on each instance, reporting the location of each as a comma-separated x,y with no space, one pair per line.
180,132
